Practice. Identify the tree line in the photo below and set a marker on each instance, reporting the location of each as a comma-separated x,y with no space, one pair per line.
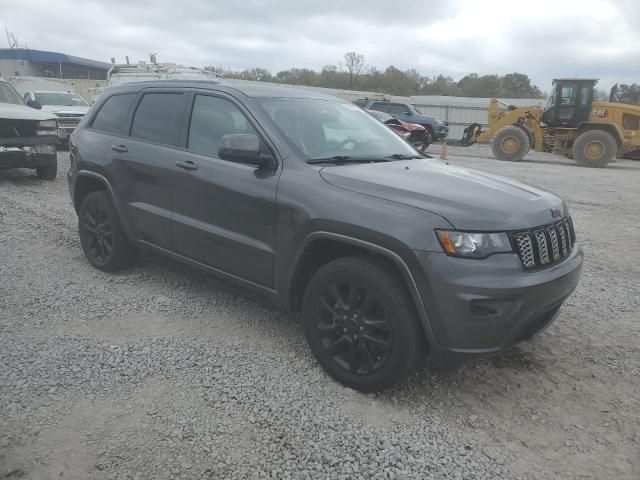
354,74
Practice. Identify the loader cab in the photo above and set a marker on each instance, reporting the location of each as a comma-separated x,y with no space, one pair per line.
570,102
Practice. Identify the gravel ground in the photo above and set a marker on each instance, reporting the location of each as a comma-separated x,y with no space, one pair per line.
162,372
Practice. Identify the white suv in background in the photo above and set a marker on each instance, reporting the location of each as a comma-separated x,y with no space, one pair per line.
69,108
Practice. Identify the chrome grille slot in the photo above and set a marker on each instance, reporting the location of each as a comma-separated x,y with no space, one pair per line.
543,252
525,250
545,245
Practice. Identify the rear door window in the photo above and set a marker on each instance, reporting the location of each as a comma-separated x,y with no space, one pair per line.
380,106
397,109
112,116
158,118
211,119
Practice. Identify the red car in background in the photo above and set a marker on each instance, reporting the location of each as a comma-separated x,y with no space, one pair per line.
413,133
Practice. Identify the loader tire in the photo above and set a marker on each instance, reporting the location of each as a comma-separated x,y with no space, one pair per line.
594,148
510,143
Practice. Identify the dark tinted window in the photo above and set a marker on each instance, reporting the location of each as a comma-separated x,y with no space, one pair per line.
397,109
380,106
360,102
157,118
113,114
211,119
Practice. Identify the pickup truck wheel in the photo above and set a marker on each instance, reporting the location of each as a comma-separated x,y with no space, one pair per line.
361,324
47,173
103,240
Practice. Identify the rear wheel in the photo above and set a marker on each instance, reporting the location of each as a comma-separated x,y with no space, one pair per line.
47,172
510,143
594,148
360,324
103,240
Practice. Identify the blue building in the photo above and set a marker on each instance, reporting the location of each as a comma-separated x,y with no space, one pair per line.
16,62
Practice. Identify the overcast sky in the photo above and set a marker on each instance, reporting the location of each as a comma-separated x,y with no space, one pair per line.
542,38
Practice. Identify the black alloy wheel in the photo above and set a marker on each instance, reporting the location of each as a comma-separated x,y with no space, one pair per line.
98,232
104,243
354,328
361,323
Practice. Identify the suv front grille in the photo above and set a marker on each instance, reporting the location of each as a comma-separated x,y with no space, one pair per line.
546,245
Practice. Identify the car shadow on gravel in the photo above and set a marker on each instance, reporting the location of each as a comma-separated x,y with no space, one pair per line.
21,176
152,262
426,379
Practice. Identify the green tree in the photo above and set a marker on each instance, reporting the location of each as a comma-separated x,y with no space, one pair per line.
518,85
629,94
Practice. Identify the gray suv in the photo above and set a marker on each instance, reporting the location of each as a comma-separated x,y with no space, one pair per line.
386,255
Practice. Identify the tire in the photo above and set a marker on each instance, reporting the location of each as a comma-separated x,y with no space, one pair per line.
360,324
48,172
594,148
101,236
428,136
510,143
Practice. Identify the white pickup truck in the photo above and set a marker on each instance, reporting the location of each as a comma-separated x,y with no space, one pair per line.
67,107
28,136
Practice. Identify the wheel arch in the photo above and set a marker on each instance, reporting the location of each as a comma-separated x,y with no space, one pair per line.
528,131
319,248
88,182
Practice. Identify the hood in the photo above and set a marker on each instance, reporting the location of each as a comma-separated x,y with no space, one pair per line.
22,112
75,110
468,199
411,126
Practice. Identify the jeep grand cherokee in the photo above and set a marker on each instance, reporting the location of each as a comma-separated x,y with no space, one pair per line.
313,202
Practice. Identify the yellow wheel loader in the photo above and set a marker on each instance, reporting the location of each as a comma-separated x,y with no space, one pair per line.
572,124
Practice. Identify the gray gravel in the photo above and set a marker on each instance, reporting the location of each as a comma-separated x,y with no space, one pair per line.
162,372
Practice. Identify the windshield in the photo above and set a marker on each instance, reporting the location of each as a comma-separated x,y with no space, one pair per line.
8,94
61,98
319,129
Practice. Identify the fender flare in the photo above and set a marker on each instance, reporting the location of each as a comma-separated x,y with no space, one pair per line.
102,179
377,249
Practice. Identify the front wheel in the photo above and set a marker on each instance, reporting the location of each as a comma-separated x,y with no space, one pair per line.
361,324
510,143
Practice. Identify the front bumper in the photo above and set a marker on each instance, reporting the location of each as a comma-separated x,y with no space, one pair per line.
28,156
483,307
441,132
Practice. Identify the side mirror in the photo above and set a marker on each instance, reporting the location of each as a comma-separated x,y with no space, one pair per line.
244,148
34,104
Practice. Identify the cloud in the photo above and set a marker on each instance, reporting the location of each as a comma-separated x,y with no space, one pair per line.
545,40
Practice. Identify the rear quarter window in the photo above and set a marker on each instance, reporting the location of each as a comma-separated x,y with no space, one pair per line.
112,116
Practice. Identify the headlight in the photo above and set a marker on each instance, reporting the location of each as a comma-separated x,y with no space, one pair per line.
473,245
439,122
46,127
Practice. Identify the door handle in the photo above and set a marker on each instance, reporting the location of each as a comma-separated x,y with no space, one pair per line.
188,165
119,148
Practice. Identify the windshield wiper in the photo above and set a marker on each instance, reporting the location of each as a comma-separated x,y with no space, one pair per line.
346,159
402,156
